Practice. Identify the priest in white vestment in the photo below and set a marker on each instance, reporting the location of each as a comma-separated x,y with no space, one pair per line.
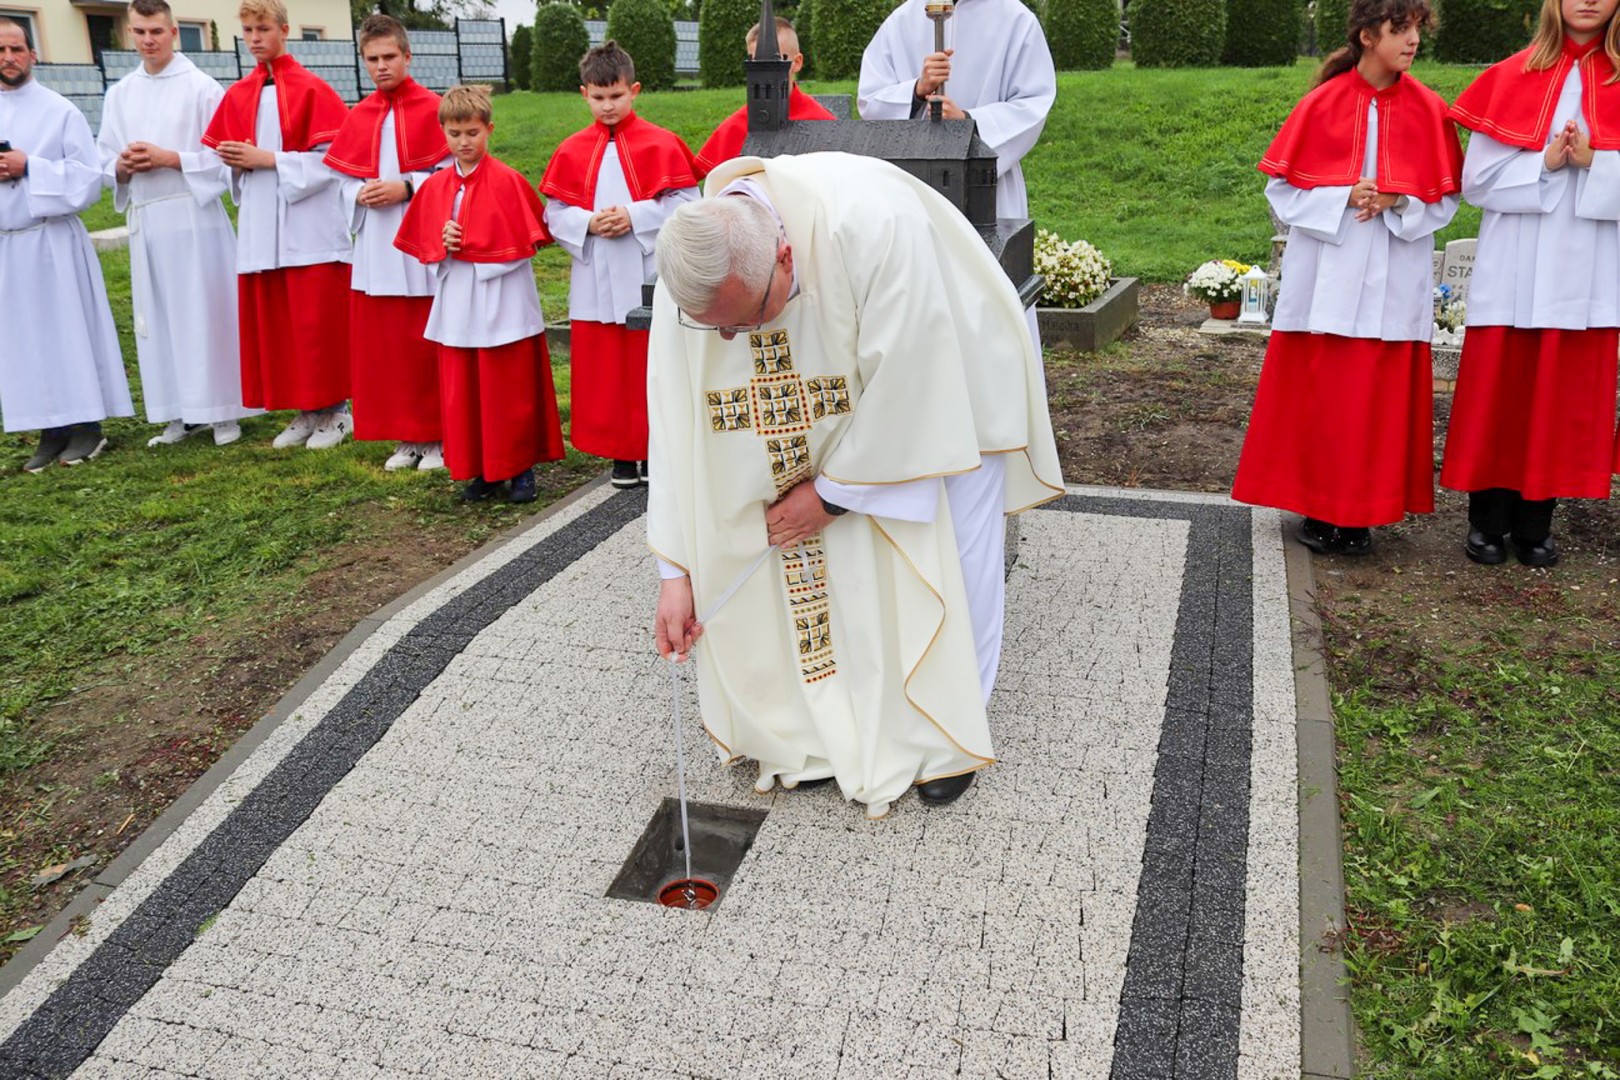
182,249
999,72
61,371
839,368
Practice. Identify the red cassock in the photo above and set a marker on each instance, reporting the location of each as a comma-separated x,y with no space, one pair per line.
728,139
294,320
1343,428
394,370
498,403
1534,409
607,361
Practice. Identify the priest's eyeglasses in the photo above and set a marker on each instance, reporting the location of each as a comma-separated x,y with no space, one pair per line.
759,317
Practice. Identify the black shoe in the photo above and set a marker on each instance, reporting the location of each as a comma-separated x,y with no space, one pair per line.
1543,554
85,441
478,489
810,785
52,441
1319,536
1486,549
641,472
944,790
523,490
625,475
1355,541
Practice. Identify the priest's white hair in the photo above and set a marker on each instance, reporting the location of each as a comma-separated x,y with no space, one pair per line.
708,241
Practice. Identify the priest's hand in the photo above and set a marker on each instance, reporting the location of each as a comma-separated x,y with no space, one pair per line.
244,155
610,223
796,515
1580,149
375,194
936,69
452,236
13,165
675,627
140,157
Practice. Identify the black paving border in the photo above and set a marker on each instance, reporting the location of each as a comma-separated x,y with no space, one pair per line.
67,1027
1181,1007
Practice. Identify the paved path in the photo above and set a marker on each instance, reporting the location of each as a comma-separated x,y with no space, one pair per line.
407,877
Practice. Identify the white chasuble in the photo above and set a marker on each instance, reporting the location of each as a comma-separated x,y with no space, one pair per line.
902,359
61,363
1001,74
182,249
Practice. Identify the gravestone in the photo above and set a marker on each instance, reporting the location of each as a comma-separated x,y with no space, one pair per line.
1458,266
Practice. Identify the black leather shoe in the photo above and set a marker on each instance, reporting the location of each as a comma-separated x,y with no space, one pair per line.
1542,554
1319,536
1486,549
944,790
523,488
478,489
1357,541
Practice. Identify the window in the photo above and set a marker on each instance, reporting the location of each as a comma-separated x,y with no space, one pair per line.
193,37
26,21
311,33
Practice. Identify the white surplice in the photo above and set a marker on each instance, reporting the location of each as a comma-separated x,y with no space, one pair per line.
1390,260
380,268
291,215
900,362
1549,242
61,363
604,284
1001,73
182,250
483,305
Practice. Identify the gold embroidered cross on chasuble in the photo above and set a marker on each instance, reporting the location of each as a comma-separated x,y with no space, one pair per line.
780,407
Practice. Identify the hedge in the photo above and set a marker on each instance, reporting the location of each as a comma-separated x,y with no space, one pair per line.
523,56
644,29
1177,33
723,40
1262,33
1332,24
1484,31
1083,34
802,18
843,29
560,39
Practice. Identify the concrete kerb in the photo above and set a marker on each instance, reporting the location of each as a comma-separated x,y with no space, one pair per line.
1327,1027
83,905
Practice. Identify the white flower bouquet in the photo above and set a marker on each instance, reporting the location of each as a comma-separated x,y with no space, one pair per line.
1218,281
1076,274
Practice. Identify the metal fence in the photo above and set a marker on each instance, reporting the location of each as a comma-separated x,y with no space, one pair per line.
475,51
686,43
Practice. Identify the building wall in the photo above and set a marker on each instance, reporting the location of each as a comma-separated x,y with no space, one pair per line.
62,34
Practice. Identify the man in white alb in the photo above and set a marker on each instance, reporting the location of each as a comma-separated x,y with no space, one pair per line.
61,370
182,250
840,368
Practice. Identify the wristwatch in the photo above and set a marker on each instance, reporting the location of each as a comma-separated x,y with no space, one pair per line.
834,510
410,188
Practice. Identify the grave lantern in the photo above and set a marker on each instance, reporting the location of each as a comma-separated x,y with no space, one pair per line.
1256,296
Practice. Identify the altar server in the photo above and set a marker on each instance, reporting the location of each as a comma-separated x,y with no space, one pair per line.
60,369
1364,172
1533,419
292,250
182,250
478,224
728,139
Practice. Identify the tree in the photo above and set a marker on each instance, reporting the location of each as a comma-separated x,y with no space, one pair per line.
1262,33
843,29
560,39
1083,33
523,56
1177,33
645,30
722,40
419,14
1484,31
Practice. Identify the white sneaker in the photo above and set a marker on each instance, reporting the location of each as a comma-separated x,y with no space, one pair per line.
432,457
406,457
175,432
332,429
226,432
298,432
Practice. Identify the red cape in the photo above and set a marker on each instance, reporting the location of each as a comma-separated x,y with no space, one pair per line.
310,110
1515,106
502,219
727,140
1323,143
654,161
418,138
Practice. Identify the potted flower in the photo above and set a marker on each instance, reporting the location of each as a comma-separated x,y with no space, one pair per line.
1082,304
1450,316
1218,283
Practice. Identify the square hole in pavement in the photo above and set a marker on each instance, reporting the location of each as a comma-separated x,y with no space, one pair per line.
721,836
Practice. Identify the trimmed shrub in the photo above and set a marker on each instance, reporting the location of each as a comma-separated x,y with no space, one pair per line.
723,40
560,39
843,29
644,29
1332,24
1083,34
1484,31
1262,33
1177,33
802,18
523,57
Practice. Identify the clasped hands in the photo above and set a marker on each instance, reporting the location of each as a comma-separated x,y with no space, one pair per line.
452,236
379,193
13,163
936,70
610,223
244,155
1571,146
140,157
1368,200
